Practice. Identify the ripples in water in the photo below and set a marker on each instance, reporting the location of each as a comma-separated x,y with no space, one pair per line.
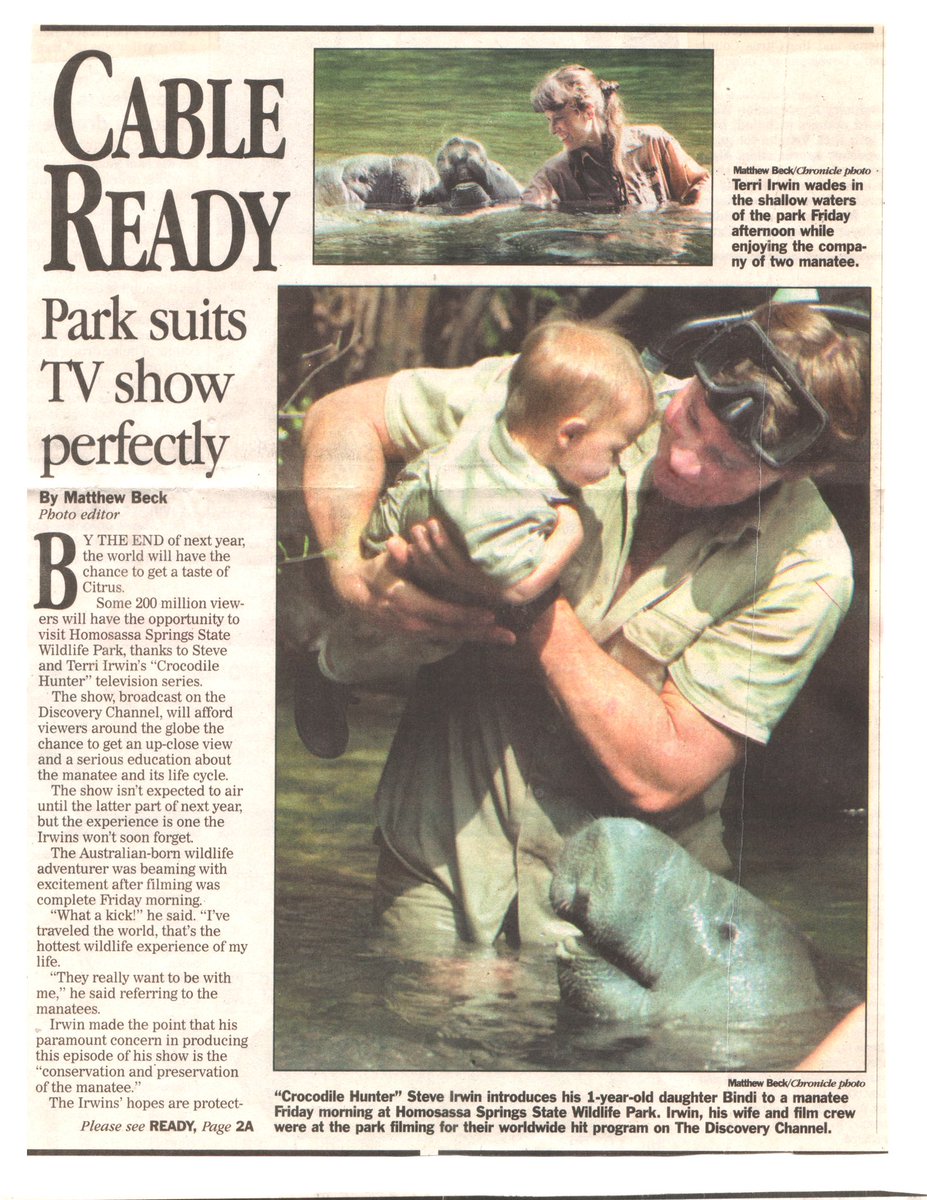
346,1000
514,236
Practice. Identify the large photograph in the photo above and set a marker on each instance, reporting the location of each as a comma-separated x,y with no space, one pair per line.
562,157
573,689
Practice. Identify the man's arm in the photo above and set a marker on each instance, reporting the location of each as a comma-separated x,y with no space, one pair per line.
656,746
659,749
346,446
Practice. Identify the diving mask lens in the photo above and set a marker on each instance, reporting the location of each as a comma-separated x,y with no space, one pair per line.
741,404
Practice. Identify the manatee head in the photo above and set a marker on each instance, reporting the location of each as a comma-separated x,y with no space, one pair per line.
362,175
331,190
665,938
461,161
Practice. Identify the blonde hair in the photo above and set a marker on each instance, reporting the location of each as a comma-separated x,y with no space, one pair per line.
577,87
566,368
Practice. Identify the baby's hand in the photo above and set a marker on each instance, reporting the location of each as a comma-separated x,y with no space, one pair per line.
379,590
564,541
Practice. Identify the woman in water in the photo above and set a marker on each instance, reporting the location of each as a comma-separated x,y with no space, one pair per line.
607,164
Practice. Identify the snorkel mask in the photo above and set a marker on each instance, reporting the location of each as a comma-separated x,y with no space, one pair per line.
741,405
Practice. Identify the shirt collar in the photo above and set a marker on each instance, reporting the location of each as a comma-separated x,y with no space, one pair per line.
512,455
581,157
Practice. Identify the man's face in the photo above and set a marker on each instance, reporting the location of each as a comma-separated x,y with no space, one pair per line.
698,463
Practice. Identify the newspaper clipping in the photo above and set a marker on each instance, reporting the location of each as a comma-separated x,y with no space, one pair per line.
350,829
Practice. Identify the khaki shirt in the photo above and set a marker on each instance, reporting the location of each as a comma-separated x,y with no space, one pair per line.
654,171
486,488
485,779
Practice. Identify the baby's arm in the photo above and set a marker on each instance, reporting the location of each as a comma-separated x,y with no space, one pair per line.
565,539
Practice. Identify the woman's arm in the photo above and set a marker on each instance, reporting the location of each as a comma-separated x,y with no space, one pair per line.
689,181
540,192
347,446
656,746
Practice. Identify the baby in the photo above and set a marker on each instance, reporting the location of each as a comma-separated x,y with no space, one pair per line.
504,489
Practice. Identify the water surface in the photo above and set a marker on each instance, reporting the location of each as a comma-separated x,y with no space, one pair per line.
514,236
343,1002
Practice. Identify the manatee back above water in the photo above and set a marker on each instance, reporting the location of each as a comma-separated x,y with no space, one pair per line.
376,181
665,939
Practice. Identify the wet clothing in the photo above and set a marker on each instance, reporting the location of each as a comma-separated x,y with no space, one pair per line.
655,170
485,779
488,491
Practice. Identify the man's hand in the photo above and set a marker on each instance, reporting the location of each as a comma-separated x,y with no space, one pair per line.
380,590
432,559
347,446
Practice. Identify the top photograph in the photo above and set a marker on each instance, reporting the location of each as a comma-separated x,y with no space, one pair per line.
444,156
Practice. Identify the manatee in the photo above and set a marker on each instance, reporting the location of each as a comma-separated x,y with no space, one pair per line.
361,174
470,179
331,191
411,181
665,940
381,181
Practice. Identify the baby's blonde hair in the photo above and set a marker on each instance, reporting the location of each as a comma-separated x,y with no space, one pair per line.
567,368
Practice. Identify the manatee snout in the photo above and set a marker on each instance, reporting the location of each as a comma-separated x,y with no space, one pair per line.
566,897
469,195
464,168
599,877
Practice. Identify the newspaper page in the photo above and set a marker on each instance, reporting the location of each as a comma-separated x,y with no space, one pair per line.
227,226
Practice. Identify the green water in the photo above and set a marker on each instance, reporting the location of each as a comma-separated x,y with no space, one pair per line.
412,101
341,1004
515,236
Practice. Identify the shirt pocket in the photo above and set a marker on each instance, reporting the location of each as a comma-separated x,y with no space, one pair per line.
666,626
